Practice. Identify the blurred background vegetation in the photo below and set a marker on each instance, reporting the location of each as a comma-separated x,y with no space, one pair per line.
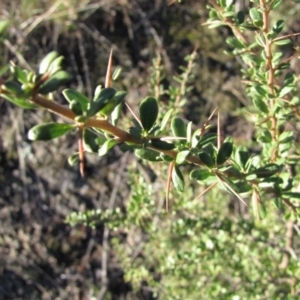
207,248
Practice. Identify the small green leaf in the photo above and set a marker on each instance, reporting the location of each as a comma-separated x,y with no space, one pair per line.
201,175
46,62
19,101
264,136
182,156
287,89
177,179
224,152
49,131
113,103
278,27
166,119
72,95
73,159
235,43
206,159
166,157
13,87
157,143
200,142
116,114
136,132
241,156
291,195
260,105
229,3
148,154
189,132
55,65
19,74
178,128
108,144
240,16
116,74
283,42
148,112
286,137
3,26
102,99
76,108
255,15
262,211
54,82
267,171
276,3
90,141
270,182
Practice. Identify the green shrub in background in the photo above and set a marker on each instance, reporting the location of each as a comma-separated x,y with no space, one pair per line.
194,249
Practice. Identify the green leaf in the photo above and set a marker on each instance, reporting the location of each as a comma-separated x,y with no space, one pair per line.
283,42
203,140
113,103
157,143
72,95
286,137
182,156
116,74
108,144
54,82
55,65
264,136
277,3
166,119
177,179
278,27
76,108
116,114
270,182
127,147
201,175
148,112
166,157
13,87
3,26
291,195
266,171
90,141
46,62
235,43
19,101
102,99
49,131
285,90
178,127
241,156
240,16
73,159
148,154
260,105
255,15
189,132
136,132
206,159
19,74
229,3
224,152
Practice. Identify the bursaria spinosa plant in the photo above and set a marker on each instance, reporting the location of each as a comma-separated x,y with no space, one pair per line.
168,139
